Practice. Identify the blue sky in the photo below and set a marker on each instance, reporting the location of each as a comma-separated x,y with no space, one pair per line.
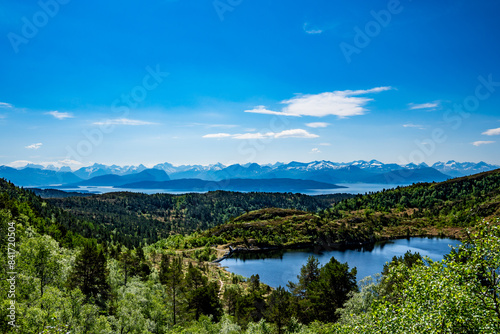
238,81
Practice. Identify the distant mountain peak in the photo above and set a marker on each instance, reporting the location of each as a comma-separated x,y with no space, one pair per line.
318,170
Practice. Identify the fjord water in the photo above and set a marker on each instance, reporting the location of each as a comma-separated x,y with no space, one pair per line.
349,188
277,268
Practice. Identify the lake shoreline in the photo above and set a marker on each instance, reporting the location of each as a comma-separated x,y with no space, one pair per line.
278,268
339,246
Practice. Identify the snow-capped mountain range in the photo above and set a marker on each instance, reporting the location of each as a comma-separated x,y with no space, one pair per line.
372,171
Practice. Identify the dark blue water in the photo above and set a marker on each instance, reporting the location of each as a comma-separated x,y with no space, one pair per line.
278,268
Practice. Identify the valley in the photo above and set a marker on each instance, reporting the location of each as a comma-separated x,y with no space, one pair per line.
153,256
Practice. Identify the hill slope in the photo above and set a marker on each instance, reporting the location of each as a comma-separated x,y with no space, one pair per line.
135,218
423,209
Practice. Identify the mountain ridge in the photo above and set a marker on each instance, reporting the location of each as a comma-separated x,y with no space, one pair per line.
358,171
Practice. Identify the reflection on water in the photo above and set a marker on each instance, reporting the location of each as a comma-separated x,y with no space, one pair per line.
277,267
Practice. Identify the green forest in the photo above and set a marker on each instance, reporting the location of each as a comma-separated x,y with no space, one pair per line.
134,218
135,263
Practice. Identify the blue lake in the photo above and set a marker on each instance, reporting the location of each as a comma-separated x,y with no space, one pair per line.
277,268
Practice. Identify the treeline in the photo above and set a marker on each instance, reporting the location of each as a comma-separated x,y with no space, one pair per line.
108,288
68,283
133,218
440,209
458,202
45,218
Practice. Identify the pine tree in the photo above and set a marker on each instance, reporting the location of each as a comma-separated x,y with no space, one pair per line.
172,277
278,307
90,273
202,296
331,291
309,273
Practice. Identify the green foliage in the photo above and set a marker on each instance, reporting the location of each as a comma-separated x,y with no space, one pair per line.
172,276
278,308
322,290
457,295
27,209
40,259
90,274
202,296
66,283
132,218
457,202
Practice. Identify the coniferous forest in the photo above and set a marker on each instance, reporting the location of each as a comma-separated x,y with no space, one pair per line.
134,263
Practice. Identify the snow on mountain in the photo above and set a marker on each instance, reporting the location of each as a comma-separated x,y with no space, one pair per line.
167,167
455,168
355,171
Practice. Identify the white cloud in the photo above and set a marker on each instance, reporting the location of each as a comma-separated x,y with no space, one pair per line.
311,31
482,142
317,125
338,103
295,133
411,125
123,121
256,135
19,163
325,144
58,164
492,132
217,135
430,106
34,146
5,105
292,133
59,115
263,110
315,150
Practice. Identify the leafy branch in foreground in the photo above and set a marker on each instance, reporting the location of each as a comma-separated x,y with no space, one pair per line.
460,294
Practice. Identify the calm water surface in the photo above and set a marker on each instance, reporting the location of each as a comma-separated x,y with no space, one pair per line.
351,188
280,267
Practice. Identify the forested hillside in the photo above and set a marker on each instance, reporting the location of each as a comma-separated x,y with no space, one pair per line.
439,209
47,219
132,218
54,279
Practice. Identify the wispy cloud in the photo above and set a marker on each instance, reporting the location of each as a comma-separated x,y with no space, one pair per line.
325,144
59,115
411,125
315,150
217,135
317,125
482,142
19,163
34,146
492,132
429,106
292,133
264,110
6,105
58,164
338,103
123,121
312,31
